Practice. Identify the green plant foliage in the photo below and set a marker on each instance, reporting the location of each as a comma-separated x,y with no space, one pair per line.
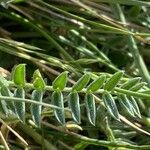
125,93
38,82
3,107
6,92
57,100
91,89
135,107
110,105
96,84
113,81
3,82
81,83
19,75
20,106
126,104
138,86
74,105
91,108
131,83
35,109
60,81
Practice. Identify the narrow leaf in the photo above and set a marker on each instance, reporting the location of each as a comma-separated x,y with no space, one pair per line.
19,75
57,100
110,105
135,106
6,92
36,109
60,81
3,107
138,86
38,82
130,83
81,83
126,104
97,84
113,81
20,106
73,100
3,82
90,107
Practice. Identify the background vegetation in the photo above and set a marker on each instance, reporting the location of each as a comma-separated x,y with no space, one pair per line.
96,37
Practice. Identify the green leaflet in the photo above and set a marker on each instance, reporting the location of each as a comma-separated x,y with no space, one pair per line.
3,82
38,82
130,83
6,92
57,100
36,109
3,107
90,107
73,100
135,106
126,104
80,146
60,81
97,84
3,104
20,106
19,75
113,81
110,105
81,83
138,86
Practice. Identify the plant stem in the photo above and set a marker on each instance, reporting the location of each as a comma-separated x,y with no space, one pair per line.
84,90
27,101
